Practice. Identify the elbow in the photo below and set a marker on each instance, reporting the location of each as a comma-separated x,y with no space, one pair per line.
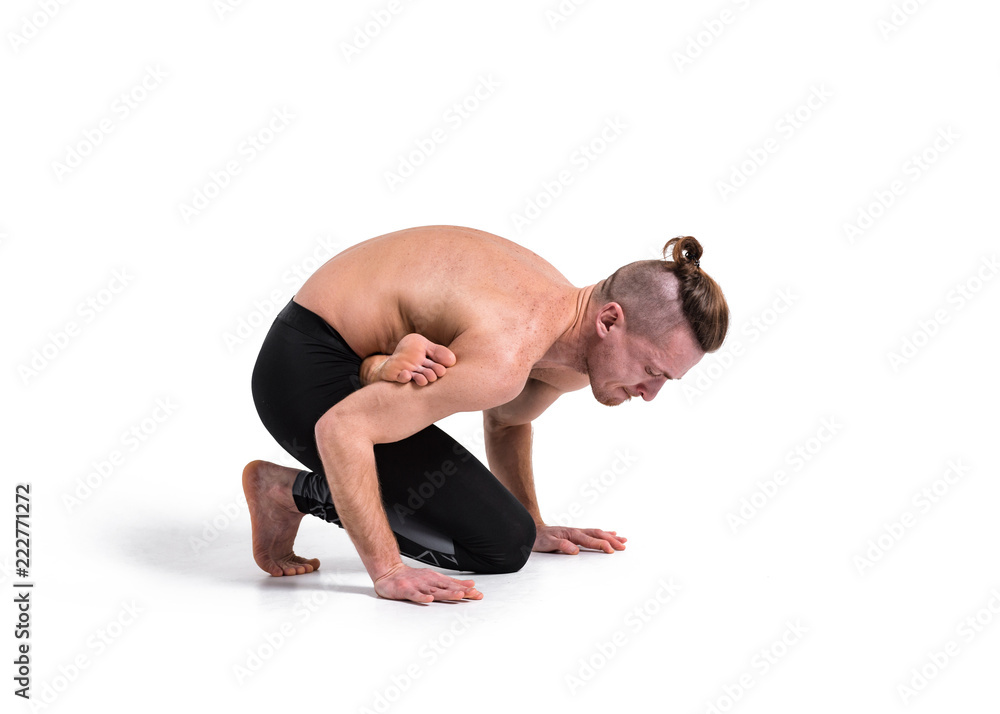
497,397
327,428
497,420
331,432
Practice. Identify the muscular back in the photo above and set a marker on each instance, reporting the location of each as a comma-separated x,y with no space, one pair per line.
439,281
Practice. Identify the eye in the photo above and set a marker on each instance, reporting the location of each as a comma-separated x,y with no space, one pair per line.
650,372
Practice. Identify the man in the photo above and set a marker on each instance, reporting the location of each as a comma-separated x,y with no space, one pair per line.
402,330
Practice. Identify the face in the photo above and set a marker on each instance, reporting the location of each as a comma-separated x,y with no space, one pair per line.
623,365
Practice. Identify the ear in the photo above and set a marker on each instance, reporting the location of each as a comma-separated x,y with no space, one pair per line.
608,316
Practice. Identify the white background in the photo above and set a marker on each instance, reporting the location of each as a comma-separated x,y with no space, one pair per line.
818,310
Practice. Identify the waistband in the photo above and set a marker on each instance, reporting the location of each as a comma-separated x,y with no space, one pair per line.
308,322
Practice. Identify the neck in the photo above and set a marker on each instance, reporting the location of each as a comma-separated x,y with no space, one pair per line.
568,351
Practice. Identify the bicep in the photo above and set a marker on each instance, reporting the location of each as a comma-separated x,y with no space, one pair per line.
386,412
534,399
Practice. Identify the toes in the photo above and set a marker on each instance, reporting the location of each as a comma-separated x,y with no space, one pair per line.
294,565
310,564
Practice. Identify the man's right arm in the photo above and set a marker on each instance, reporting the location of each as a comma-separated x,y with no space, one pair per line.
384,412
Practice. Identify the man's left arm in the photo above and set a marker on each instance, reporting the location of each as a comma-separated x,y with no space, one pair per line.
508,450
507,431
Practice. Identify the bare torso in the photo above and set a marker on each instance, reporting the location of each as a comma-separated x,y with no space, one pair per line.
440,281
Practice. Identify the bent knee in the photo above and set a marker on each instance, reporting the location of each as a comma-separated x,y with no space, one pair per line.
510,552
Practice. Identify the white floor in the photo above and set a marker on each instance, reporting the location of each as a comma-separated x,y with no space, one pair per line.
675,622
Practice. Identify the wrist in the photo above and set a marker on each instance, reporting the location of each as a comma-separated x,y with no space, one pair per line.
389,571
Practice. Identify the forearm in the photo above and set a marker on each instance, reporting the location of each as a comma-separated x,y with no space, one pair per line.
349,464
508,450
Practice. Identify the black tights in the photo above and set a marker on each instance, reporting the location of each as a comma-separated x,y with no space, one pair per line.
443,505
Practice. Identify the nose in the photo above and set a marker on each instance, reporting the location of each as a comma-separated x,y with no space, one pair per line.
648,392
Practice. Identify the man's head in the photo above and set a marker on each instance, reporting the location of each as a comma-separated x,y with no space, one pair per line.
653,320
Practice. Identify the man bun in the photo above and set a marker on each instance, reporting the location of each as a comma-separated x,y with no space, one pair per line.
687,251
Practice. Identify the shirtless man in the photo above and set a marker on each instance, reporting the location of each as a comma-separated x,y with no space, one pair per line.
402,330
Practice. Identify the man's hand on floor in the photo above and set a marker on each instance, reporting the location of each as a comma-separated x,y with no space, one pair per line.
557,539
423,585
416,359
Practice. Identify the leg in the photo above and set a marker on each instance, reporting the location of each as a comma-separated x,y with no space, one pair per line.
304,367
274,519
444,506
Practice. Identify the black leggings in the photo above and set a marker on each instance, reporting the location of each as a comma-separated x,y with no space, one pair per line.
443,505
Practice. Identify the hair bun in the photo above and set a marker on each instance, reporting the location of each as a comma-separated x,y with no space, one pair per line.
686,250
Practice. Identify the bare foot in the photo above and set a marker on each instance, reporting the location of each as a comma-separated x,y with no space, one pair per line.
274,518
